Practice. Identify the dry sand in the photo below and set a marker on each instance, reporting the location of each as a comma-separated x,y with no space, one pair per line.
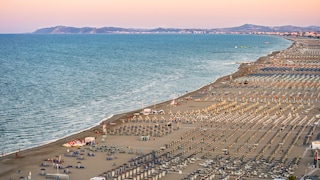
252,127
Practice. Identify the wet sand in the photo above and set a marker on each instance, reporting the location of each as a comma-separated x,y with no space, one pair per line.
255,124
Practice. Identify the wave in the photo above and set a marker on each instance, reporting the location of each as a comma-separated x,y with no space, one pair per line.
53,95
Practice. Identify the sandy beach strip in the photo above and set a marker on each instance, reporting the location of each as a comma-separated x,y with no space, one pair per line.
257,123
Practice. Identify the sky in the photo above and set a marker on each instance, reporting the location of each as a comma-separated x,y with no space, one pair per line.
24,16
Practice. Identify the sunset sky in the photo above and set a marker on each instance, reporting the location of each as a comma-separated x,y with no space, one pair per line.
23,16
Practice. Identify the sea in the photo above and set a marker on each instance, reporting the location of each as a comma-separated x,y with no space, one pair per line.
55,85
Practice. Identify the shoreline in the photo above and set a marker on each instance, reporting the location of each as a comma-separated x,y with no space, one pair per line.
115,117
112,118
64,135
239,72
56,148
242,69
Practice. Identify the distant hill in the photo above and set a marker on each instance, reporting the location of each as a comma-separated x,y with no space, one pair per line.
246,28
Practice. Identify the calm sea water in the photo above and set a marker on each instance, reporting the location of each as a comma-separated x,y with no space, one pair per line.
52,86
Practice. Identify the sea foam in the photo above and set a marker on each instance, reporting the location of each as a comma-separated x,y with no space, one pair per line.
53,86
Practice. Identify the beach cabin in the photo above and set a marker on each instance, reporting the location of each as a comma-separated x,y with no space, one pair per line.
89,140
146,111
315,145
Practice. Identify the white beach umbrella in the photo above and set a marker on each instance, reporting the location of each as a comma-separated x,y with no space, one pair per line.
42,171
29,176
57,168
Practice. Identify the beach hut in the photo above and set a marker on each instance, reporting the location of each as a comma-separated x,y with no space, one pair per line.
89,140
315,145
146,111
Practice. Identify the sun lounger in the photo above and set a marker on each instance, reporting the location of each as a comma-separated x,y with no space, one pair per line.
42,174
44,165
66,171
90,154
70,155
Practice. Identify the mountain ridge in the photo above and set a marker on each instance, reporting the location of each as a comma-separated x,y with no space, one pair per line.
245,28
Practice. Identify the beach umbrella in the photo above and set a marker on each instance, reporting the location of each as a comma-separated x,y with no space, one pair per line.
44,162
79,164
43,171
29,176
82,156
104,127
57,168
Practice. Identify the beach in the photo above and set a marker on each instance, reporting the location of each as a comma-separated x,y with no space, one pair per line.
257,123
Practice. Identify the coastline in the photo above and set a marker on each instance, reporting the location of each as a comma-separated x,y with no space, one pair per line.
241,71
34,156
87,111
